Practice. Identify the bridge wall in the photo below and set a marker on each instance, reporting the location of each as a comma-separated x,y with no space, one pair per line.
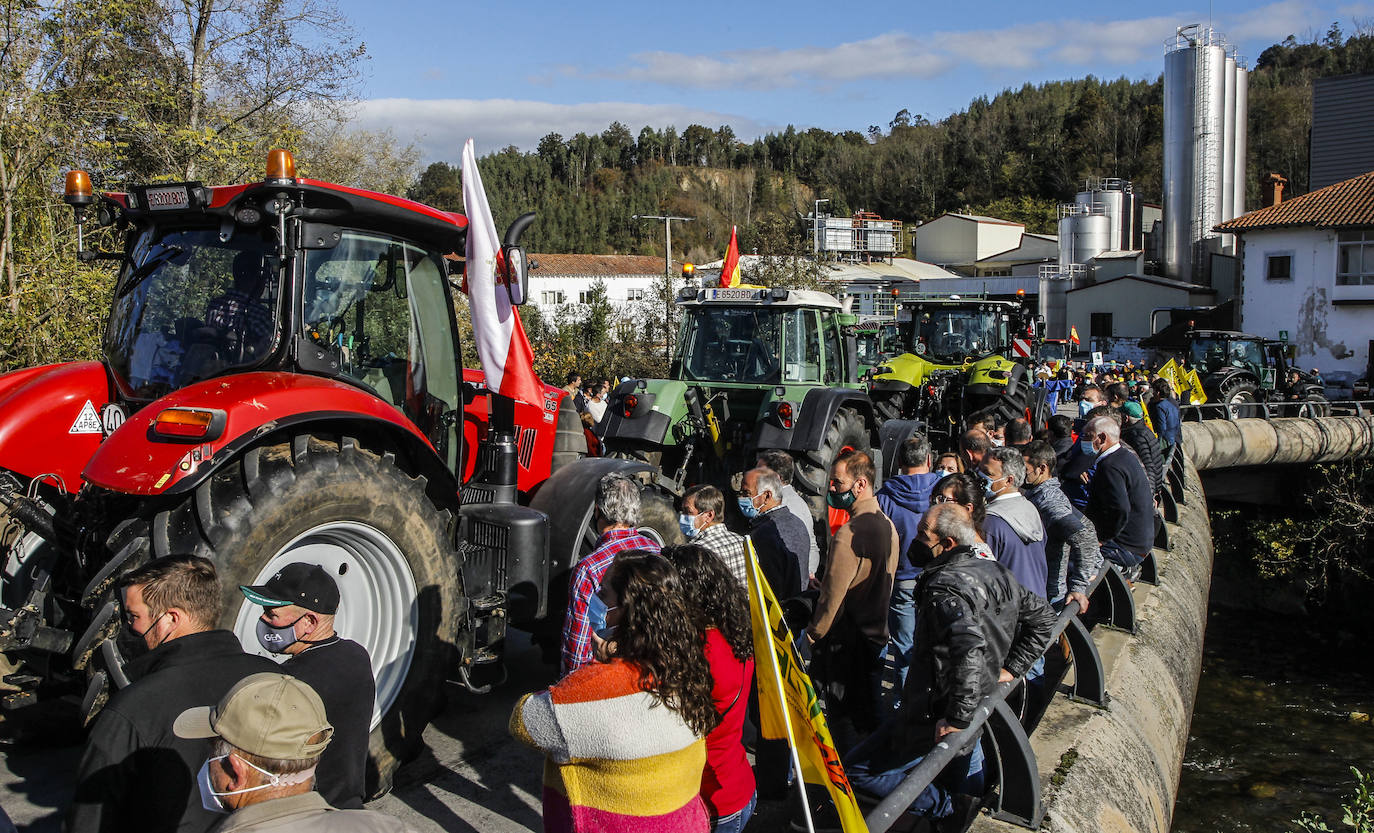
1116,770
1221,443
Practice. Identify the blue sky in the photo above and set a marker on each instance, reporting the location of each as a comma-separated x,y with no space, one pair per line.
508,73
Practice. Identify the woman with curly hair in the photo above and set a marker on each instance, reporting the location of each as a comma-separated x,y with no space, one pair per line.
624,737
721,613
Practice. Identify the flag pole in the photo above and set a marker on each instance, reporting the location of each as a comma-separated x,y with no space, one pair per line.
777,677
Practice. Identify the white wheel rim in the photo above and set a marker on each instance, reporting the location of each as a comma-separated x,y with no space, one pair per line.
377,599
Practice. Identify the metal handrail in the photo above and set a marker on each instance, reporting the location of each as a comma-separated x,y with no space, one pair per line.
1276,410
882,817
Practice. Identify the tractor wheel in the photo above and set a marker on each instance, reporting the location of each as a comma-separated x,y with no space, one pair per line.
357,513
812,476
638,455
888,407
1317,405
1241,398
569,499
569,439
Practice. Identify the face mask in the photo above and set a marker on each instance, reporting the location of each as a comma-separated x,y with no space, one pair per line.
596,617
1084,406
137,645
277,640
687,523
987,485
213,801
840,500
747,507
996,443
1086,446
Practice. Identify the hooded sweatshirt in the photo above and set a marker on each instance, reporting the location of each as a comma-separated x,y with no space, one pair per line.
1014,531
904,499
1071,549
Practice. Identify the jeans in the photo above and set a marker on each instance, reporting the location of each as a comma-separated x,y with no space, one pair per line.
735,822
1118,555
901,625
964,774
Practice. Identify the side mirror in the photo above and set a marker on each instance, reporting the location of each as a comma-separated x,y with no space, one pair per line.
517,273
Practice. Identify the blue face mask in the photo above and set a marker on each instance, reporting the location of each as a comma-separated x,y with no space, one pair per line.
987,485
1084,406
1086,447
747,508
596,617
687,523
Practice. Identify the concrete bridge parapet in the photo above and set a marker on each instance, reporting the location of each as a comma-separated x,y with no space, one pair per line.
1221,443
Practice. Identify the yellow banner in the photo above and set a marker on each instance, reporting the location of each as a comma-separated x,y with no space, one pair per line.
787,701
1173,374
1196,395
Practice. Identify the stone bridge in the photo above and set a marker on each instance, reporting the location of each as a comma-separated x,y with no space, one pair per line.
1115,768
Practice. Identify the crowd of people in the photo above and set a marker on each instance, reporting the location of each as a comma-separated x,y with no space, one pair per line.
941,582
209,737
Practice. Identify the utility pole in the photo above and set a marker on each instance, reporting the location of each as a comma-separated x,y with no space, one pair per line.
667,273
816,238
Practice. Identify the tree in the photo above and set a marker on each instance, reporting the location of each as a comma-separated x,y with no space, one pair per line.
439,185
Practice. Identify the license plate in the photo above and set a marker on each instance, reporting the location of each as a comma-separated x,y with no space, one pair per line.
167,198
734,294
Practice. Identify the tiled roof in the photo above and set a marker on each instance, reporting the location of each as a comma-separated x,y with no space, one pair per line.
597,265
1346,204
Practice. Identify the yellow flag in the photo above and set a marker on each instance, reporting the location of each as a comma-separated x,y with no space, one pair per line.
788,707
1171,373
1196,395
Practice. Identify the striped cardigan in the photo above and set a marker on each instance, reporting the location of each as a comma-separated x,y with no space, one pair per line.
617,760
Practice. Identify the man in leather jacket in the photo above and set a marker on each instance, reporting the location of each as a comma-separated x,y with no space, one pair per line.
976,627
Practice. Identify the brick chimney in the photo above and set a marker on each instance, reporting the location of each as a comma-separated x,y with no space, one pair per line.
1271,190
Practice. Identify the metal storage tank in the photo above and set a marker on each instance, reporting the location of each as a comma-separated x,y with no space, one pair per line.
1131,209
1107,201
1054,303
1200,160
1090,234
1242,131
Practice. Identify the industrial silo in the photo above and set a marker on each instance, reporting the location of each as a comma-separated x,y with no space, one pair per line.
1204,162
1242,130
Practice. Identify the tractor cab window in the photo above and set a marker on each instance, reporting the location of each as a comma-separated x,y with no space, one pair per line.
379,305
953,334
802,340
834,357
731,344
189,306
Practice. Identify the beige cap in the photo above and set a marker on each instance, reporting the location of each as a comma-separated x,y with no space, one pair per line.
270,715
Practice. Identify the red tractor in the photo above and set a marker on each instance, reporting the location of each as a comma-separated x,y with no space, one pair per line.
281,381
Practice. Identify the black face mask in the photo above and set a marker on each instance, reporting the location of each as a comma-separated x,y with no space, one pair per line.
920,555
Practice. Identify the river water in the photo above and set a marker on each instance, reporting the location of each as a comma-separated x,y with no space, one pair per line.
1281,715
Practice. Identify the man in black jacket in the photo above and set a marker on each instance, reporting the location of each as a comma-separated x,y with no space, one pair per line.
1120,503
976,627
1144,443
779,536
135,773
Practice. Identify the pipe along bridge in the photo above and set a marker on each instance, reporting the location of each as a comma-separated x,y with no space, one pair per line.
1099,745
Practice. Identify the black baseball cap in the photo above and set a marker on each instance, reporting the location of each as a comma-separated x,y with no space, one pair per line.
303,585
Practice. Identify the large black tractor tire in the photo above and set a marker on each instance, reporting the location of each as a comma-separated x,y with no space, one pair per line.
812,476
569,439
890,406
328,501
568,498
1241,398
1317,406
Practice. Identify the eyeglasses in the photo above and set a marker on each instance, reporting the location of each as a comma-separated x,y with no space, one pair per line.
943,499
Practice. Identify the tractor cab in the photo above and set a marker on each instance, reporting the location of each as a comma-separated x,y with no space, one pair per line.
1219,352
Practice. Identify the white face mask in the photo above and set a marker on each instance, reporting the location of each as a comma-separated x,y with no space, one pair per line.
213,801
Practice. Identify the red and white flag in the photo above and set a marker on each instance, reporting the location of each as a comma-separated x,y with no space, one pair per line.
502,346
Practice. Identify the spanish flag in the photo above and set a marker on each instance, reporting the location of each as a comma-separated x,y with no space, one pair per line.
788,706
729,272
1073,335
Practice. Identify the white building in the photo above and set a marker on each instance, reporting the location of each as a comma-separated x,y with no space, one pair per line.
1307,274
568,279
975,246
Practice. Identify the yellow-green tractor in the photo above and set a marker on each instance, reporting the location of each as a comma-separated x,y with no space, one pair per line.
963,356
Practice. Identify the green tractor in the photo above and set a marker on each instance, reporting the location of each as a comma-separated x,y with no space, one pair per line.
963,356
755,368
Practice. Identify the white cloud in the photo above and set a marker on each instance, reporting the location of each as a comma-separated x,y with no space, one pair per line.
440,126
1101,46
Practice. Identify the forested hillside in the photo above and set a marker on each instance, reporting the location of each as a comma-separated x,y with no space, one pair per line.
1015,155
